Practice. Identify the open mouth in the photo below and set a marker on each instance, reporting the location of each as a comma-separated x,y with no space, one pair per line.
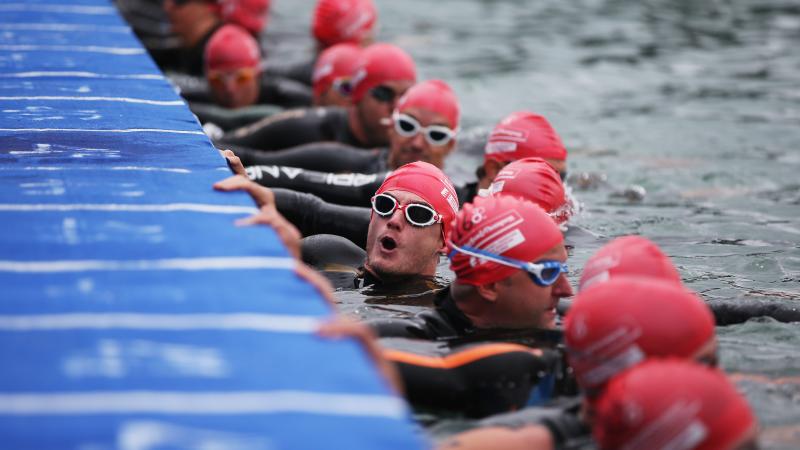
388,243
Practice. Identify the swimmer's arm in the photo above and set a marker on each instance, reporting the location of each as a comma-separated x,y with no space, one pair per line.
267,214
284,130
353,189
285,92
531,437
313,216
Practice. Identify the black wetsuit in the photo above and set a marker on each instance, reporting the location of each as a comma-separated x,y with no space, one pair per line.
334,172
272,91
443,322
301,72
313,216
319,156
561,417
477,379
293,128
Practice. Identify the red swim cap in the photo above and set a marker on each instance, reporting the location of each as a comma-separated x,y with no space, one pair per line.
435,96
337,61
622,322
503,225
248,14
430,183
521,135
672,404
338,21
378,64
628,255
231,48
535,180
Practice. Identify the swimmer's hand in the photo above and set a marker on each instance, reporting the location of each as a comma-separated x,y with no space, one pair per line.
261,195
530,437
234,163
288,233
342,327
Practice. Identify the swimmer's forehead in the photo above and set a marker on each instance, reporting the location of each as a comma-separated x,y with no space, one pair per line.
405,197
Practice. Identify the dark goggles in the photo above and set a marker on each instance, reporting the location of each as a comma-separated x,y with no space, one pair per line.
408,126
383,94
416,214
543,273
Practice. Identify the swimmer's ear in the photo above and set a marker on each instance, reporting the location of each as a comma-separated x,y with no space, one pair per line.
488,291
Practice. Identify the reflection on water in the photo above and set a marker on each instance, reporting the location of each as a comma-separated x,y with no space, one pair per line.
690,109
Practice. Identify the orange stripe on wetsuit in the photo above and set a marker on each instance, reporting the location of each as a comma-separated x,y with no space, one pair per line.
458,359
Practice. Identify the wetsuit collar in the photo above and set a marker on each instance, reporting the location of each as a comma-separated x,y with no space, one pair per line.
448,309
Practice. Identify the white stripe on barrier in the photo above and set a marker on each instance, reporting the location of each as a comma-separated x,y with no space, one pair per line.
188,264
203,403
164,322
43,74
95,99
122,207
123,168
64,27
71,9
89,130
74,48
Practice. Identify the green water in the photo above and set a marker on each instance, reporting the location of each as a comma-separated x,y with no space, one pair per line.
696,102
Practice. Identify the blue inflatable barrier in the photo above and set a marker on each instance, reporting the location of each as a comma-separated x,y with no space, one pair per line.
134,314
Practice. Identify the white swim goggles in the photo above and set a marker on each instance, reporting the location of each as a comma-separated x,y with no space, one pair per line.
416,214
543,273
408,126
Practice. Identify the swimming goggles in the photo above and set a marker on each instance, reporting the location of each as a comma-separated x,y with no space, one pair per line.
543,273
408,126
239,76
416,214
383,94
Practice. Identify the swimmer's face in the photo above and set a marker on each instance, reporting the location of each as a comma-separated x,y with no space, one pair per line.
523,304
395,248
185,15
332,97
407,149
234,88
375,108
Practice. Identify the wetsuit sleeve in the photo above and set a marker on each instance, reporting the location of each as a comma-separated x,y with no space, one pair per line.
568,431
284,92
328,252
228,119
479,381
301,72
319,156
353,189
313,216
288,129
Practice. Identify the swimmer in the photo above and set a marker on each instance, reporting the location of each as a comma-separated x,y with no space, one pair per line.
194,22
677,405
334,22
536,180
611,327
383,74
331,74
408,227
424,126
509,259
235,80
